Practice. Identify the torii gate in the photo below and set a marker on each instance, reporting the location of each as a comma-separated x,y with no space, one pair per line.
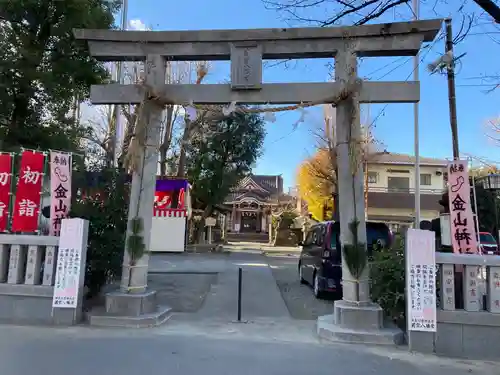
246,49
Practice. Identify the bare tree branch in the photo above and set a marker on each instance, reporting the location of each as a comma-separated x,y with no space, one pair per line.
365,10
493,130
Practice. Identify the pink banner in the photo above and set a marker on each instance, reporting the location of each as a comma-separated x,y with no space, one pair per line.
60,189
463,230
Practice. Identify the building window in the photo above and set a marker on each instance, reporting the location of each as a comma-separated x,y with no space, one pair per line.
425,179
398,184
372,177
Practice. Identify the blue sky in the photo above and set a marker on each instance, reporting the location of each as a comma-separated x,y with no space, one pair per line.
393,123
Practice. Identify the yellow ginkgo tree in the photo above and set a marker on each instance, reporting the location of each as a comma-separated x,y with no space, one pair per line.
316,181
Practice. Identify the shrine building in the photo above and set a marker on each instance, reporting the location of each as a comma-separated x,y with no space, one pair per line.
251,202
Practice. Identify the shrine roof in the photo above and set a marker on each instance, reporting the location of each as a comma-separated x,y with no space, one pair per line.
261,183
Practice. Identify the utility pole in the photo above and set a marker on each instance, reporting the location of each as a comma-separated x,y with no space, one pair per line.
491,8
366,155
416,63
451,90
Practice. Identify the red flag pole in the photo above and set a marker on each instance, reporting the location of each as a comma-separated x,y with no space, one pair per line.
9,202
46,162
11,194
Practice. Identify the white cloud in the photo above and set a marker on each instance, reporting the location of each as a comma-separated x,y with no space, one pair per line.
137,25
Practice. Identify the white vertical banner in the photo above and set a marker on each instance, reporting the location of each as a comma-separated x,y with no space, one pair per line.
421,280
70,263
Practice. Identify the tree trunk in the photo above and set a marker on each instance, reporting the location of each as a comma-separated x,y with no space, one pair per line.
275,230
129,133
182,163
184,143
163,162
111,144
200,226
167,139
181,166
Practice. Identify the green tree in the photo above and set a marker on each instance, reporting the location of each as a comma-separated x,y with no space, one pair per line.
487,202
106,207
44,73
387,274
221,156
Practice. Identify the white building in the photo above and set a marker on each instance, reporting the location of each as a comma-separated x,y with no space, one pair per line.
391,193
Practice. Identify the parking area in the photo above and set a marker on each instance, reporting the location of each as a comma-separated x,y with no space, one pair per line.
298,298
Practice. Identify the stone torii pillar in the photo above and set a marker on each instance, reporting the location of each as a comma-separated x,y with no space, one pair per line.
142,193
350,182
134,304
355,318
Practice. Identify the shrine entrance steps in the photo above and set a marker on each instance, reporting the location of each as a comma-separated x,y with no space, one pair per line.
262,238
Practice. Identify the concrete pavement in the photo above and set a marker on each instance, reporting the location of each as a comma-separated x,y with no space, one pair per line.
82,351
261,297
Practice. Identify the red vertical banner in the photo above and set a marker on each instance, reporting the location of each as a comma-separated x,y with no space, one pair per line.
28,193
5,183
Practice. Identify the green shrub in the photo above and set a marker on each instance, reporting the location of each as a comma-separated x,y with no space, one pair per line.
355,256
388,282
106,210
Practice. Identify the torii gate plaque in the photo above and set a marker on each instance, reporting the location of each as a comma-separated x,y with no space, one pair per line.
246,49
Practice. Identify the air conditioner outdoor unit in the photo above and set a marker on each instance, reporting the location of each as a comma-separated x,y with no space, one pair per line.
445,229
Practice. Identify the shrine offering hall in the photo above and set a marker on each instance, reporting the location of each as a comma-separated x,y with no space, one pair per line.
252,201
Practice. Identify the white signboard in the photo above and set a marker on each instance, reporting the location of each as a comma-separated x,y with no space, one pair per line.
421,280
210,222
68,268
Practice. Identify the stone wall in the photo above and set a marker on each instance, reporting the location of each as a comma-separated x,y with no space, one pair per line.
27,276
468,315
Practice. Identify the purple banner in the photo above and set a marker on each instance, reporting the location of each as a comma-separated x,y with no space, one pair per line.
171,185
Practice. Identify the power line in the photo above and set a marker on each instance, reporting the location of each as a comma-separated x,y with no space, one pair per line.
480,85
429,48
386,66
406,60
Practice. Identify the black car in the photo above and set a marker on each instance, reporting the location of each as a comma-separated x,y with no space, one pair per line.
320,258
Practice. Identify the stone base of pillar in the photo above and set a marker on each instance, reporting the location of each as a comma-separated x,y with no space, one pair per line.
363,324
137,310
